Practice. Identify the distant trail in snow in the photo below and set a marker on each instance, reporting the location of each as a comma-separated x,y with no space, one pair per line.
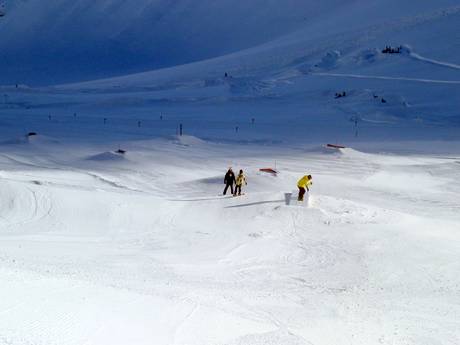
433,62
359,76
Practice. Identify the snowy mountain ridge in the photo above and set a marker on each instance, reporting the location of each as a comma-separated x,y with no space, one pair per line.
116,36
46,42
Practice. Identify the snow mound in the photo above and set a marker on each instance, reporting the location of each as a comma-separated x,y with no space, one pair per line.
108,156
324,149
187,140
349,152
34,139
328,62
368,56
39,139
345,151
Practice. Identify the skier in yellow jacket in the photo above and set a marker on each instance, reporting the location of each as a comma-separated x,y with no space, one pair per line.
303,184
240,179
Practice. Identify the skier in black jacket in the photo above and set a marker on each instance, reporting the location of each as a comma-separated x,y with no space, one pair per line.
229,180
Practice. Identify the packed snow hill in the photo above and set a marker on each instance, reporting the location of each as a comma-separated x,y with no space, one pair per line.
119,122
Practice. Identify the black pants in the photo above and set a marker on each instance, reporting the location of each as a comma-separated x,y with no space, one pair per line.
226,187
301,193
238,190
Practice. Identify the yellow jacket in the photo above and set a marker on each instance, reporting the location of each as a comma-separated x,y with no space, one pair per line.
304,182
240,180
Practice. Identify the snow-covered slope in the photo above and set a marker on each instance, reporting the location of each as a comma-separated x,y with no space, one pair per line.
45,42
113,229
143,249
297,71
67,40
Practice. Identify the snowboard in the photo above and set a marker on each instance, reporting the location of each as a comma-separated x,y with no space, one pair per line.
239,195
225,196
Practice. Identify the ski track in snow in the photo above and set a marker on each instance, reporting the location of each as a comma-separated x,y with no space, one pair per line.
418,57
360,76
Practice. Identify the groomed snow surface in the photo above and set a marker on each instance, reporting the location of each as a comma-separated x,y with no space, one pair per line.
101,247
141,248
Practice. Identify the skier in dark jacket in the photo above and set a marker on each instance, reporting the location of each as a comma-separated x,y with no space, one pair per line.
229,180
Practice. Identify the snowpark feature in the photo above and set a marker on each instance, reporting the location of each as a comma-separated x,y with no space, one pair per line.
112,226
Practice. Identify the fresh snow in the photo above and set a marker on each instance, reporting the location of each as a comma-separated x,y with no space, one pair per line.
114,229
